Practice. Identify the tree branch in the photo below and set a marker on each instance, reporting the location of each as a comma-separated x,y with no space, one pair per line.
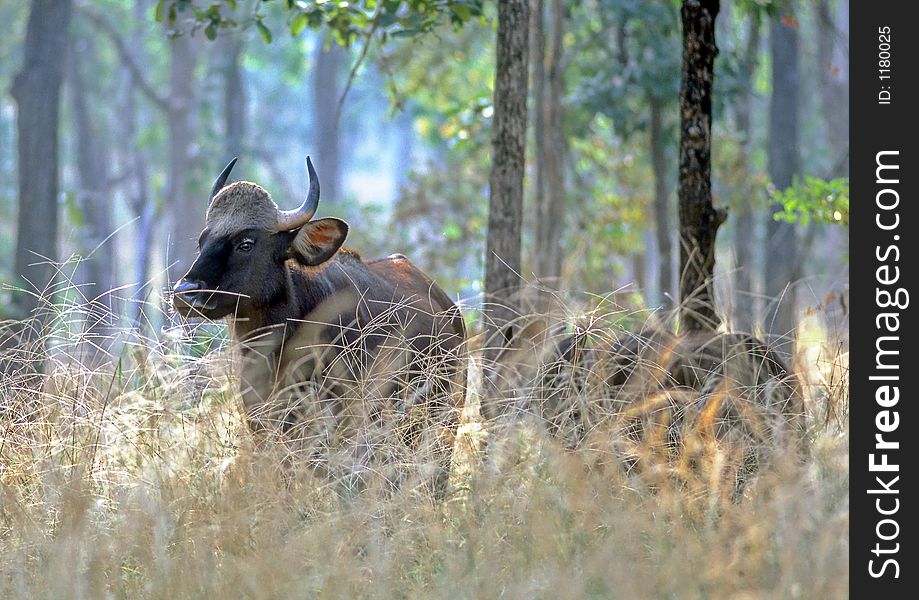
360,60
160,100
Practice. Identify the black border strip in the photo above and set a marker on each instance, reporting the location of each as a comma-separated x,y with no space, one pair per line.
883,115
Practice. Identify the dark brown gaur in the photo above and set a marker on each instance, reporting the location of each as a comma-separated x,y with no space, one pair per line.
717,386
348,360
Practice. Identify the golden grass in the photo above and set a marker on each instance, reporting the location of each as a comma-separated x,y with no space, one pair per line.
141,481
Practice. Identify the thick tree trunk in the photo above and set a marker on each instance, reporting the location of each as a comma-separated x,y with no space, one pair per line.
699,220
744,217
186,207
96,245
327,89
502,258
782,268
36,89
661,205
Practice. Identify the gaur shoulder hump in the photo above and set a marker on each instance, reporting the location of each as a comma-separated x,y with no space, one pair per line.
391,258
349,255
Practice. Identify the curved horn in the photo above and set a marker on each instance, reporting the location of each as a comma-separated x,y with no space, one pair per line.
222,179
289,220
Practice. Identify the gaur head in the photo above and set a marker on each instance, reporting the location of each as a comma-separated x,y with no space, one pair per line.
245,244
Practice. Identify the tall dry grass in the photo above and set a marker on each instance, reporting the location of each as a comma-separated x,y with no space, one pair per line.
135,477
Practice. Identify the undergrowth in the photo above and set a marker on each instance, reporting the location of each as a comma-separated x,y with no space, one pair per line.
128,472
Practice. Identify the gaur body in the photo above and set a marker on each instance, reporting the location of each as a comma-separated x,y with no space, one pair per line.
354,363
653,388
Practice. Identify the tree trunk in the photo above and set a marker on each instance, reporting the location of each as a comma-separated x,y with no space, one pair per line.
743,239
550,150
96,246
833,72
784,163
137,188
36,89
502,258
234,96
541,207
661,205
186,209
556,150
188,206
647,279
699,220
327,89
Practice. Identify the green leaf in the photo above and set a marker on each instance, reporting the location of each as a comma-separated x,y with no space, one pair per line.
462,12
160,11
263,31
406,33
210,32
298,24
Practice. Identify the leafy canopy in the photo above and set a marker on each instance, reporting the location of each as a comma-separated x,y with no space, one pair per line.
346,20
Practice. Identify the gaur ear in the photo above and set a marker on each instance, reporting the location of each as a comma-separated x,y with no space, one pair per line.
523,345
533,333
318,241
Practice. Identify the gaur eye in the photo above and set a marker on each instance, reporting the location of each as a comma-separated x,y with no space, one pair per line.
245,245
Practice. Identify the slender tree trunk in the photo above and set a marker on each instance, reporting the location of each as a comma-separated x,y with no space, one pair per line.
784,163
834,85
502,258
648,281
142,206
327,89
640,266
699,220
36,89
538,59
556,150
661,204
235,101
186,208
744,217
97,247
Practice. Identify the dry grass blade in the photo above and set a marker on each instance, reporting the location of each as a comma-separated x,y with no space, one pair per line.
136,477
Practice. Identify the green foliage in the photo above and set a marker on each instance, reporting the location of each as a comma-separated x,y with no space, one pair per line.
612,179
759,8
814,199
624,47
441,215
347,21
444,85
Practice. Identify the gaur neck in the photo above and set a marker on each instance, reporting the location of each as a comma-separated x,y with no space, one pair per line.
299,295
